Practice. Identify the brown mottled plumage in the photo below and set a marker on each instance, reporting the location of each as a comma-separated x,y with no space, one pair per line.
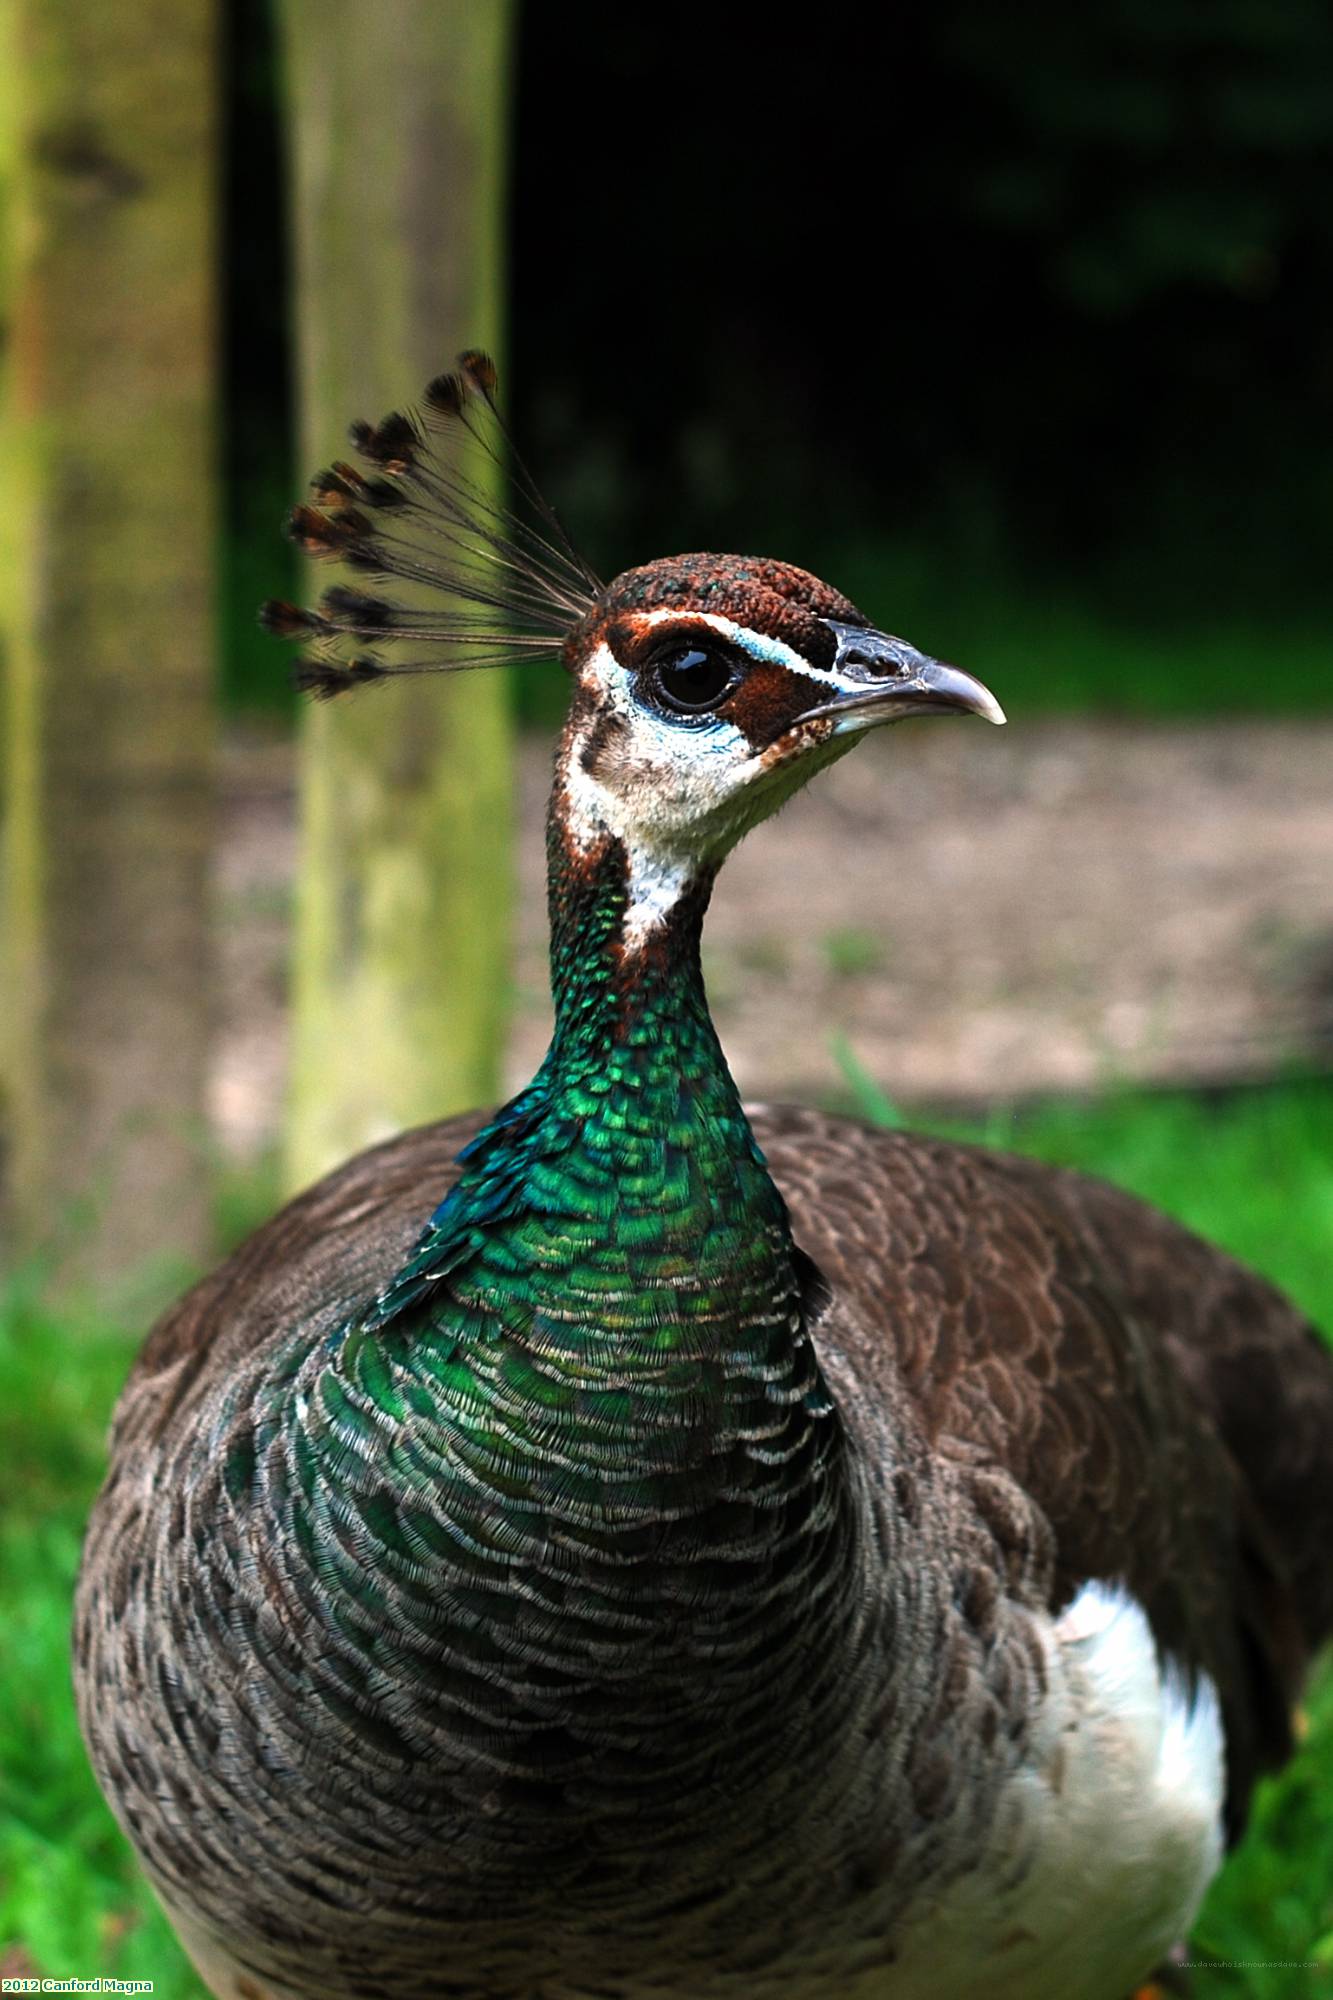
709,1557
1079,1386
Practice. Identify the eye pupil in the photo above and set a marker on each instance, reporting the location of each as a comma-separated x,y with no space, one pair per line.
693,679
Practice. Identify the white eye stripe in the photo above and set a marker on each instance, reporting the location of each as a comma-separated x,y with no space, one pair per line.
761,646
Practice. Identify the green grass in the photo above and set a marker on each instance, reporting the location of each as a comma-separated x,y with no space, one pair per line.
1253,1171
853,954
71,1899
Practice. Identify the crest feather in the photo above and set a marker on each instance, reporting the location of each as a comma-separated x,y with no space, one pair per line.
489,582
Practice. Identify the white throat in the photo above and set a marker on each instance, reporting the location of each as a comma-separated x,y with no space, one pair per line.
701,771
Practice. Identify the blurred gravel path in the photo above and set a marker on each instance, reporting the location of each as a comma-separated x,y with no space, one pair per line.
977,913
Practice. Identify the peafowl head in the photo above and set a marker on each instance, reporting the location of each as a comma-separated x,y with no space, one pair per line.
706,688
709,688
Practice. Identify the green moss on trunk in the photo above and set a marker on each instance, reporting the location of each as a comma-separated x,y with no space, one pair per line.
106,609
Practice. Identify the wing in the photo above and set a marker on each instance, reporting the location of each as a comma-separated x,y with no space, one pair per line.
1161,1409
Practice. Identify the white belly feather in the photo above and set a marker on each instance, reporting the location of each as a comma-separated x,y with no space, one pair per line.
1106,1838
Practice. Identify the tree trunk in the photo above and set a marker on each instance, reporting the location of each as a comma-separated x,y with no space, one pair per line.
106,615
404,892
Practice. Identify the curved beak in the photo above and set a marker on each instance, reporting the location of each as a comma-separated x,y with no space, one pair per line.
878,678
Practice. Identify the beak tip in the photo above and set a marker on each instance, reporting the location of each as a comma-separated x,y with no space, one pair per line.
952,688
972,695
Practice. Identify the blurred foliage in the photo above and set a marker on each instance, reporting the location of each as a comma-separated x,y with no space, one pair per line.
71,1899
1254,1170
851,953
257,444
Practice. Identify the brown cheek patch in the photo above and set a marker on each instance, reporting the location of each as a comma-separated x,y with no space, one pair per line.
768,701
605,744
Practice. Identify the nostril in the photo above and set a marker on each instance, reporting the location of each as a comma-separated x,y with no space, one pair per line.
877,662
869,655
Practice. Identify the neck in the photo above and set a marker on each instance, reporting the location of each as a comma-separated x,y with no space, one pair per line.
625,932
616,1229
635,1063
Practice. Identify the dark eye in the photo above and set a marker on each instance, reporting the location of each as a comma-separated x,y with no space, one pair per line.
692,680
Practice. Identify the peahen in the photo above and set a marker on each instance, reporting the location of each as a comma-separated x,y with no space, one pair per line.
718,1553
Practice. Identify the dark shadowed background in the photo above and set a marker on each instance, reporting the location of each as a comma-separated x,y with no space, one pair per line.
1018,314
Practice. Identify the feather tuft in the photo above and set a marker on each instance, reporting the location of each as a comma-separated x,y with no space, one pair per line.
486,582
383,494
336,486
356,611
392,443
326,535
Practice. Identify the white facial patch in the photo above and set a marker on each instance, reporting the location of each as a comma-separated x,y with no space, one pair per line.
673,796
690,772
689,777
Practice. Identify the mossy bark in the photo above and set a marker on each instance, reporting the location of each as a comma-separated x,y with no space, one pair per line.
107,120
402,952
